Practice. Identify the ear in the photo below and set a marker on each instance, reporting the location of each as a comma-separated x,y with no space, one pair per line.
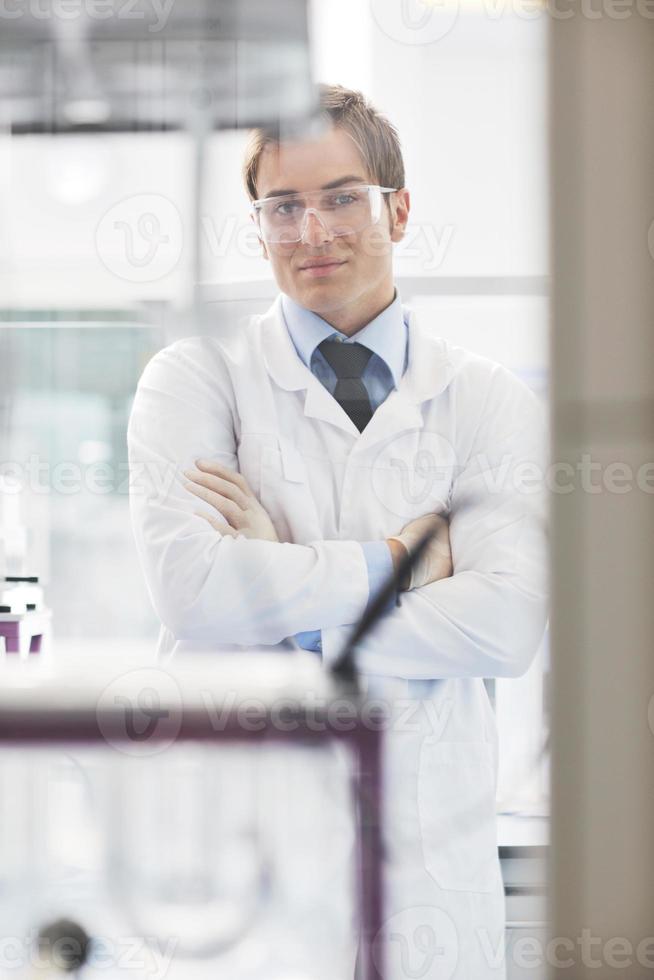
261,241
400,206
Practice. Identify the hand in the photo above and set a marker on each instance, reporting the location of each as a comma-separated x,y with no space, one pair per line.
436,560
229,493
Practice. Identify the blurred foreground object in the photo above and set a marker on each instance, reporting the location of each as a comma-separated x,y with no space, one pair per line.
144,66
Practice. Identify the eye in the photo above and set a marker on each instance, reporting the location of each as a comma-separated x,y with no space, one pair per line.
344,198
287,208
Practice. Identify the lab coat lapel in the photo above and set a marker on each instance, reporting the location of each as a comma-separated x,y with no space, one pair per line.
428,373
287,369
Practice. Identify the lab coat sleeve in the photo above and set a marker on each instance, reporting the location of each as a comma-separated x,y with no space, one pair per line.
206,587
380,568
488,618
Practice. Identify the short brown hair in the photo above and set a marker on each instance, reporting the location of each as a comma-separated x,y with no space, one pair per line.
375,137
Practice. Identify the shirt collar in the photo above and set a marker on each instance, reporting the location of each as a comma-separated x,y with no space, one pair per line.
385,336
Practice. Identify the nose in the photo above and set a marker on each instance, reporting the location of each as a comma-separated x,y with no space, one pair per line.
314,231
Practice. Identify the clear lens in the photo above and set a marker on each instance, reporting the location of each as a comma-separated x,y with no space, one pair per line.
342,211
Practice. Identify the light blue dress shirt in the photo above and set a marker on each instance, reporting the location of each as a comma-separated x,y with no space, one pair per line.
387,337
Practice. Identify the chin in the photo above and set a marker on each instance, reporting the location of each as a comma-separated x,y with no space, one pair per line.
320,296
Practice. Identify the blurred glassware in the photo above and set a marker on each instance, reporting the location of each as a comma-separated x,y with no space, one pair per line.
184,854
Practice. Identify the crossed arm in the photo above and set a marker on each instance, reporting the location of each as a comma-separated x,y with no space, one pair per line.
228,493
485,620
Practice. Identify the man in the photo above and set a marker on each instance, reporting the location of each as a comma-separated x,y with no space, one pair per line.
301,454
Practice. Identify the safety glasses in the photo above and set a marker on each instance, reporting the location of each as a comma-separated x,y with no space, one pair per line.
341,211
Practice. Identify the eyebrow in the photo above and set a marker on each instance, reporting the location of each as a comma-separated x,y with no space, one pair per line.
350,179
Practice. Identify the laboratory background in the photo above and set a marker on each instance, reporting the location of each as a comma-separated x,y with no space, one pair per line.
124,226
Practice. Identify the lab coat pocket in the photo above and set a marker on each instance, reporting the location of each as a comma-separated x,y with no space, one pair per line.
286,494
456,807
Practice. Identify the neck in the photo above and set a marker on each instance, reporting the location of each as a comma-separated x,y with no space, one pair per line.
349,320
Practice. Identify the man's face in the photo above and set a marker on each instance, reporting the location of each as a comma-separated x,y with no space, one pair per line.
357,279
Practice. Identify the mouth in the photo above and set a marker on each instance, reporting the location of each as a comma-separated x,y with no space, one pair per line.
318,268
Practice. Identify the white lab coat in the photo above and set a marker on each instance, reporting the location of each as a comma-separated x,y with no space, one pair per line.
460,432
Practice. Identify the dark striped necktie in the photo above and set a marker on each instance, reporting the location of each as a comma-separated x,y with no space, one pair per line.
349,362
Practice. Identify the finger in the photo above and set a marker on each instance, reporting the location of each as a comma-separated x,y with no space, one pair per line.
227,508
218,525
216,483
218,469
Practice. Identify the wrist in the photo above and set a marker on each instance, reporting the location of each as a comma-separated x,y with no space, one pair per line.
398,554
